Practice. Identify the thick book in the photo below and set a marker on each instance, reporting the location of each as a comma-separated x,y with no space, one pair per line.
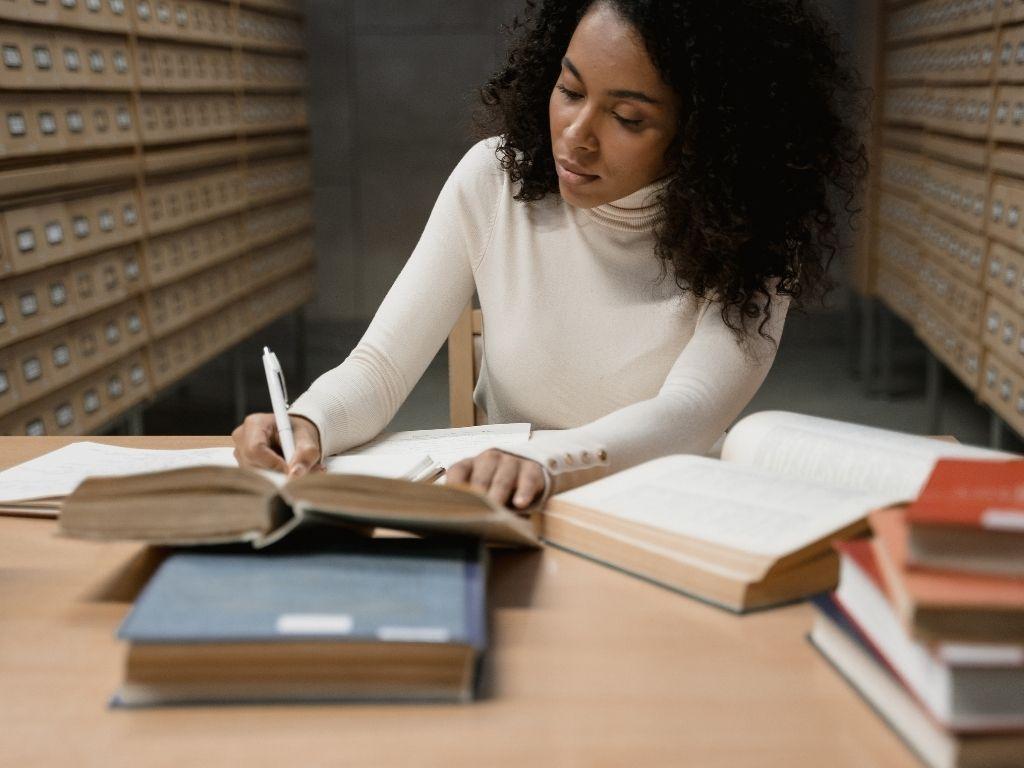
970,517
944,605
835,639
217,505
970,687
377,619
752,529
38,487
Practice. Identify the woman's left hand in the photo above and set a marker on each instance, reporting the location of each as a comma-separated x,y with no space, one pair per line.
508,480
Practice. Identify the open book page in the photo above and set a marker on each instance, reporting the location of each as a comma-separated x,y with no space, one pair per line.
445,446
404,466
745,508
58,473
841,454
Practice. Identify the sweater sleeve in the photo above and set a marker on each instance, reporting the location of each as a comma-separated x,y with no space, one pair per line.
708,386
353,402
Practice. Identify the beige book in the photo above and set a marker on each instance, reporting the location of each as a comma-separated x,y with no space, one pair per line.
753,528
38,487
210,505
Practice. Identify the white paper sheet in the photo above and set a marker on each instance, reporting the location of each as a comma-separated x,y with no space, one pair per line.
446,446
59,472
409,466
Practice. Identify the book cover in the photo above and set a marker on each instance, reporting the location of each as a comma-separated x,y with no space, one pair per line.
964,492
381,590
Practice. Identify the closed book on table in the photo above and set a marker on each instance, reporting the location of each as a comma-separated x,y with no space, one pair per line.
970,517
380,619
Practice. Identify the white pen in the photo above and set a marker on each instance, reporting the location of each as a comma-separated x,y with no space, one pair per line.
279,399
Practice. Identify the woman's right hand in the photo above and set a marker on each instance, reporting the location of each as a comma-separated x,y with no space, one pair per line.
257,444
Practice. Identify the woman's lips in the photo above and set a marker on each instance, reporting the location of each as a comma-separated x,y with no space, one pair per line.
571,177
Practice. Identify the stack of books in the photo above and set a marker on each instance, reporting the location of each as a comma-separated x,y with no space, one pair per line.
927,622
320,588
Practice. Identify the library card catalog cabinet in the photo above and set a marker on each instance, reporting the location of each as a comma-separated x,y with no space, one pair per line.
944,247
155,196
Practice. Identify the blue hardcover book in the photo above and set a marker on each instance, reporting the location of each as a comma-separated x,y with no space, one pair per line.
377,619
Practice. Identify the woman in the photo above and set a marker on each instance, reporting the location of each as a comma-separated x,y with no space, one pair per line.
659,191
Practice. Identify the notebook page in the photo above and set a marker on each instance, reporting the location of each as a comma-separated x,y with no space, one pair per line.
401,466
59,472
445,446
745,508
841,454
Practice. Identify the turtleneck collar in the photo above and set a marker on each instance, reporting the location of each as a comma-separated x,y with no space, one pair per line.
636,212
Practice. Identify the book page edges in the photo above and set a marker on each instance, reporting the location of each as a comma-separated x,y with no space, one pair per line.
727,562
748,582
86,513
211,478
415,507
749,566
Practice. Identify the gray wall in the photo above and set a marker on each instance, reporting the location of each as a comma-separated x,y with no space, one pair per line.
392,87
391,93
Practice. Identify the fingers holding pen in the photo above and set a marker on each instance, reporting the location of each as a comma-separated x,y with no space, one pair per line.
257,444
306,457
255,440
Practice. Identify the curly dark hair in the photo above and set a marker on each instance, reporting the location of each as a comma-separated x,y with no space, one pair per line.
768,144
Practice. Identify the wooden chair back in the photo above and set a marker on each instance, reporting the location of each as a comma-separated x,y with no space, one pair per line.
465,351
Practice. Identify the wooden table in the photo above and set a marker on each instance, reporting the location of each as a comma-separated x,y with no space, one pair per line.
587,667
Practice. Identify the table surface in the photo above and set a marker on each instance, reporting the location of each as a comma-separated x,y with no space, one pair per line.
587,667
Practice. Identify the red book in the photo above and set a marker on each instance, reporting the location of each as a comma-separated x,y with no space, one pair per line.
941,605
970,517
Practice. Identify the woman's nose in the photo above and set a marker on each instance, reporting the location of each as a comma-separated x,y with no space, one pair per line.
579,134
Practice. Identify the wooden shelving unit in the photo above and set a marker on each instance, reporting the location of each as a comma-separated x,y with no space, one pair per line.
944,249
155,196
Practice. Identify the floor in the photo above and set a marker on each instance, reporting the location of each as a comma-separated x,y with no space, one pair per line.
814,373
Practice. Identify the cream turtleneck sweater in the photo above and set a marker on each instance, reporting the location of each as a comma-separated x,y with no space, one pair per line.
583,337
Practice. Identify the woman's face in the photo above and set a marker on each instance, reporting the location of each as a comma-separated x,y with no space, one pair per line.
611,115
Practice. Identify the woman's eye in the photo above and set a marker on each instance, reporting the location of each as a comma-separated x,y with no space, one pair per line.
627,123
570,95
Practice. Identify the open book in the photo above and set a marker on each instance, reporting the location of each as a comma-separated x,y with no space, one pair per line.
754,528
38,487
216,505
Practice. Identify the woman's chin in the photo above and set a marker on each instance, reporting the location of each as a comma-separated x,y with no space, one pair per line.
578,197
